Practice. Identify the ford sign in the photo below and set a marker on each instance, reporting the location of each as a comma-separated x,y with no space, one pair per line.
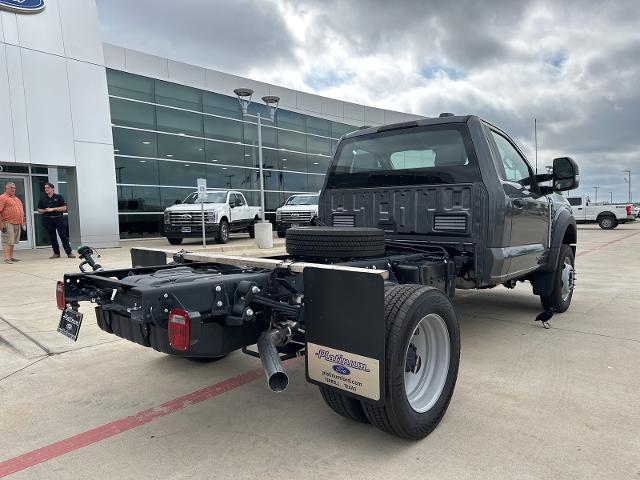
342,370
22,6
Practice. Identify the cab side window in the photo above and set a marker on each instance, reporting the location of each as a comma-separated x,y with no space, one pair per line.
515,167
240,200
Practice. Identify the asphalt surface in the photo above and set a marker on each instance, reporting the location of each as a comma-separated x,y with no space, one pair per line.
530,403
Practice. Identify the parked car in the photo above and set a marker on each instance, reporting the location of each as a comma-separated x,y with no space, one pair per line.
607,215
410,213
224,212
298,211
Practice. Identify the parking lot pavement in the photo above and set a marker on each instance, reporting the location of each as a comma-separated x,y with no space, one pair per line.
529,402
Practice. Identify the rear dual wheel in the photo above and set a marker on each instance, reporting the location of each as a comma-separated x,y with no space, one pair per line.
421,364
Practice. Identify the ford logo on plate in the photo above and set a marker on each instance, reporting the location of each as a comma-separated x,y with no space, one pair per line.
341,370
22,6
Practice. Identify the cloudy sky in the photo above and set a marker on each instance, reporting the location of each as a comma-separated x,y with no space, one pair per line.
573,65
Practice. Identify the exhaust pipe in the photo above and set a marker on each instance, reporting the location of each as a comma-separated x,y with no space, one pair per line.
277,378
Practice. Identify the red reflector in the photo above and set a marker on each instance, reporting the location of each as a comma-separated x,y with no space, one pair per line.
60,295
179,329
628,207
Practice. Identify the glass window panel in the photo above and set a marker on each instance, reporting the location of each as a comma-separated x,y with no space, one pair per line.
255,108
340,129
225,153
296,182
253,198
178,121
293,161
315,183
290,120
171,196
273,179
269,135
319,126
134,170
42,238
334,145
134,142
178,96
318,164
139,199
180,173
318,145
140,226
223,105
274,200
132,114
270,158
43,170
177,147
37,188
222,129
292,141
231,177
128,85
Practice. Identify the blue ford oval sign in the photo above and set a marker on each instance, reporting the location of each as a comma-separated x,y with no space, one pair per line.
22,6
342,370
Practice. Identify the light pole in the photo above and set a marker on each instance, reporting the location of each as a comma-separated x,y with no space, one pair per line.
263,230
611,197
628,172
596,189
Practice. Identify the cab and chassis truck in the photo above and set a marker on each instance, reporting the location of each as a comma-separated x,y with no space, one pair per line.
424,208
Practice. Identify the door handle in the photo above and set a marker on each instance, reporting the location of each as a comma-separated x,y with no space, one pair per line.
518,203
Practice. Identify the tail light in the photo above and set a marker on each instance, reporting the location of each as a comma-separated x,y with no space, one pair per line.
628,207
179,329
60,300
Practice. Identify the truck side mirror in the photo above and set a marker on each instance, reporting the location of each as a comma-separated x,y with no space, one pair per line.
566,174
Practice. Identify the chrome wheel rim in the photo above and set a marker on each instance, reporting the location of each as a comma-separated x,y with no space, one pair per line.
607,222
568,278
225,231
426,362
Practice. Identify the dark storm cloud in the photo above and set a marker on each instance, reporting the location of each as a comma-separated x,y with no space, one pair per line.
573,65
224,35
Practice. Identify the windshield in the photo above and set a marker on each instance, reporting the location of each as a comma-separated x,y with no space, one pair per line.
303,200
212,197
433,154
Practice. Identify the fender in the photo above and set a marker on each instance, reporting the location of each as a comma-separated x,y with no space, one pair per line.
564,231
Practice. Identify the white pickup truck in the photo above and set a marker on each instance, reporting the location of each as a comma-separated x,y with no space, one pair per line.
297,211
224,212
607,215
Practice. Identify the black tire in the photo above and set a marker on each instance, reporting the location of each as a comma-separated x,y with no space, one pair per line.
223,232
558,301
341,404
335,242
405,307
282,234
252,230
607,222
174,240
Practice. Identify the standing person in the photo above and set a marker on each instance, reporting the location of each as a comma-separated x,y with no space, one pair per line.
52,206
12,220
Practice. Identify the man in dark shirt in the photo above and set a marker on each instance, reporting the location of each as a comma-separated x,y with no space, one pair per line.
52,207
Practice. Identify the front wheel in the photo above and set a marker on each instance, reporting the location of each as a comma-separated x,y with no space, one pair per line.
223,232
174,240
563,282
282,234
421,364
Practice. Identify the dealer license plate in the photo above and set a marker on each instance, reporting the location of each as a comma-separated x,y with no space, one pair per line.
185,229
295,225
70,322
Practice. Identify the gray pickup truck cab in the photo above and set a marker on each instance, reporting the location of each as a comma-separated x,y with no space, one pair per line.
408,213
459,183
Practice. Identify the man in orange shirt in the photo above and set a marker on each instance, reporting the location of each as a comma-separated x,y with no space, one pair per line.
11,221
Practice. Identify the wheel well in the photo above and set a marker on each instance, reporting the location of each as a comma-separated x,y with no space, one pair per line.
606,214
571,237
225,219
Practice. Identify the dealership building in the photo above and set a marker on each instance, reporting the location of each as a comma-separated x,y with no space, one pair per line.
124,134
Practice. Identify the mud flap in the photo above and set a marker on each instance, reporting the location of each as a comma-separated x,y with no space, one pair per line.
345,332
